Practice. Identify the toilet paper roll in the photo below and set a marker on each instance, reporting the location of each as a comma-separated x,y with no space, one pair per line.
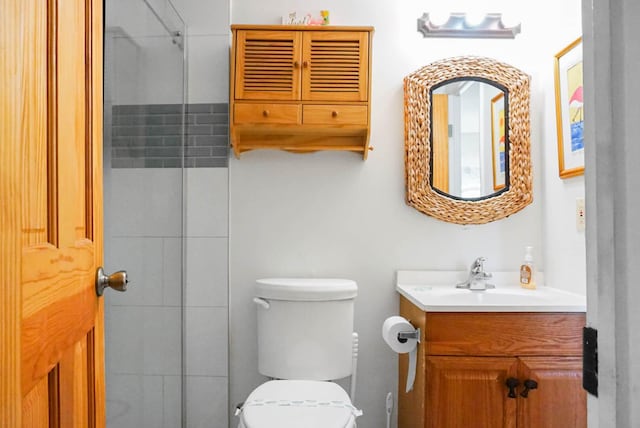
390,329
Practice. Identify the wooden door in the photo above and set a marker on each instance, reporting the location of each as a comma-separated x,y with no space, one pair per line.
267,65
51,364
559,400
335,66
463,392
440,138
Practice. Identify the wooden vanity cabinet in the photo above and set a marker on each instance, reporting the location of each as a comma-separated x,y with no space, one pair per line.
465,359
300,88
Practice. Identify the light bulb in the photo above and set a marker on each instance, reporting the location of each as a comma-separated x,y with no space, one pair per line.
438,17
474,18
510,20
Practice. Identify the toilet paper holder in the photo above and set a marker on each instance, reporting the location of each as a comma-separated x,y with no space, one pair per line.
403,336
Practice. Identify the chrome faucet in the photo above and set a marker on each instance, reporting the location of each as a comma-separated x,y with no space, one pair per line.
477,279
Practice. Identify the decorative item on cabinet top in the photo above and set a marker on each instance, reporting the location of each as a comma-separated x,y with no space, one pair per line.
300,88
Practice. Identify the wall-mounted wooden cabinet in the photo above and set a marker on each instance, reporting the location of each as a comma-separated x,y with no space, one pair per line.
300,88
466,360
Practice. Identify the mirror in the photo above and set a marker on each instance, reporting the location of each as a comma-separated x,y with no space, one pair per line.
467,147
469,138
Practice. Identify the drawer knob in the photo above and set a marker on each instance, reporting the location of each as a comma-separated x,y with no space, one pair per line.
265,113
512,383
529,384
334,114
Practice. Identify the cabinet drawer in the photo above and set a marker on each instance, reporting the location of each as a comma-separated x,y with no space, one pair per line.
504,334
334,115
266,113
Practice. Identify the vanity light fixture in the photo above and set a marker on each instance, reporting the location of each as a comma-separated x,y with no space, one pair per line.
491,27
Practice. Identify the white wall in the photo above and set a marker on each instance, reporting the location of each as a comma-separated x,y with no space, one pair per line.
331,214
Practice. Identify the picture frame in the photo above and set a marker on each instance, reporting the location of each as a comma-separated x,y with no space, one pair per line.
498,147
569,109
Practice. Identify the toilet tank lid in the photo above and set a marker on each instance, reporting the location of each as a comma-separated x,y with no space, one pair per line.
306,289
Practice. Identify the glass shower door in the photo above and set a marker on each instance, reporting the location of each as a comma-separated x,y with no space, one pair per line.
144,102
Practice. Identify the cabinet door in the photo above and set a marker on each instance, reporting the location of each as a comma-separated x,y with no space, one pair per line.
559,400
267,65
335,66
463,392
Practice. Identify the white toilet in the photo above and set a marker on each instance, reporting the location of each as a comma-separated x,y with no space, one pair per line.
305,338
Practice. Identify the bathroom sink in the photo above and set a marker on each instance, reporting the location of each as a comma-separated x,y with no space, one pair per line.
435,291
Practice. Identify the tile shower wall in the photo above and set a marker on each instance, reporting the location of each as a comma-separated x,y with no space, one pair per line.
149,136
206,297
146,321
149,231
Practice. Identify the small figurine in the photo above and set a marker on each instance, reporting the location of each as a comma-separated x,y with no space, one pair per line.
325,17
315,21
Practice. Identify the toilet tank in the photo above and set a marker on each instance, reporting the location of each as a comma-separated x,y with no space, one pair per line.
305,327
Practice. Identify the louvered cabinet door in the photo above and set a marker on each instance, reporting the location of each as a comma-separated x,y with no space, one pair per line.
335,66
268,65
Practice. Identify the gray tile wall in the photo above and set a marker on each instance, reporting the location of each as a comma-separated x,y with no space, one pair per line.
150,136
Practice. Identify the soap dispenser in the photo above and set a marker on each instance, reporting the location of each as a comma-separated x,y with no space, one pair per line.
527,270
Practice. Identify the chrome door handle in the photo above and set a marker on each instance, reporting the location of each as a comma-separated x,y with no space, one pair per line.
117,281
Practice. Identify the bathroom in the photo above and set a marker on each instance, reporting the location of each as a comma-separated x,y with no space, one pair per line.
331,214
206,227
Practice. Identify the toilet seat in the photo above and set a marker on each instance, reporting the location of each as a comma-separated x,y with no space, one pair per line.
298,403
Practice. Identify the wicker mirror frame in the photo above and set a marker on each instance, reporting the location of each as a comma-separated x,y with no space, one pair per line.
420,194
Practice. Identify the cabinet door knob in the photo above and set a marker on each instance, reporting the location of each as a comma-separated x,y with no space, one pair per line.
512,383
305,64
334,114
296,64
265,113
529,384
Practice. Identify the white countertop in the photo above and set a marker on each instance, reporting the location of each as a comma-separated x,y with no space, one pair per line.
435,291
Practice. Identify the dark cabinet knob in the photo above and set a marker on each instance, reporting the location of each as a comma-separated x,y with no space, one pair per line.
512,383
529,384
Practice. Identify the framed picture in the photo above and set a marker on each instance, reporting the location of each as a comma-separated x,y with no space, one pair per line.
569,110
498,152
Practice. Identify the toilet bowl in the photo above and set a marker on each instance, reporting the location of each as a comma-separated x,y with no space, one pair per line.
305,340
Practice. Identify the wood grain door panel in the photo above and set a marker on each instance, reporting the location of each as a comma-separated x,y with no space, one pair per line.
559,400
464,392
52,120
